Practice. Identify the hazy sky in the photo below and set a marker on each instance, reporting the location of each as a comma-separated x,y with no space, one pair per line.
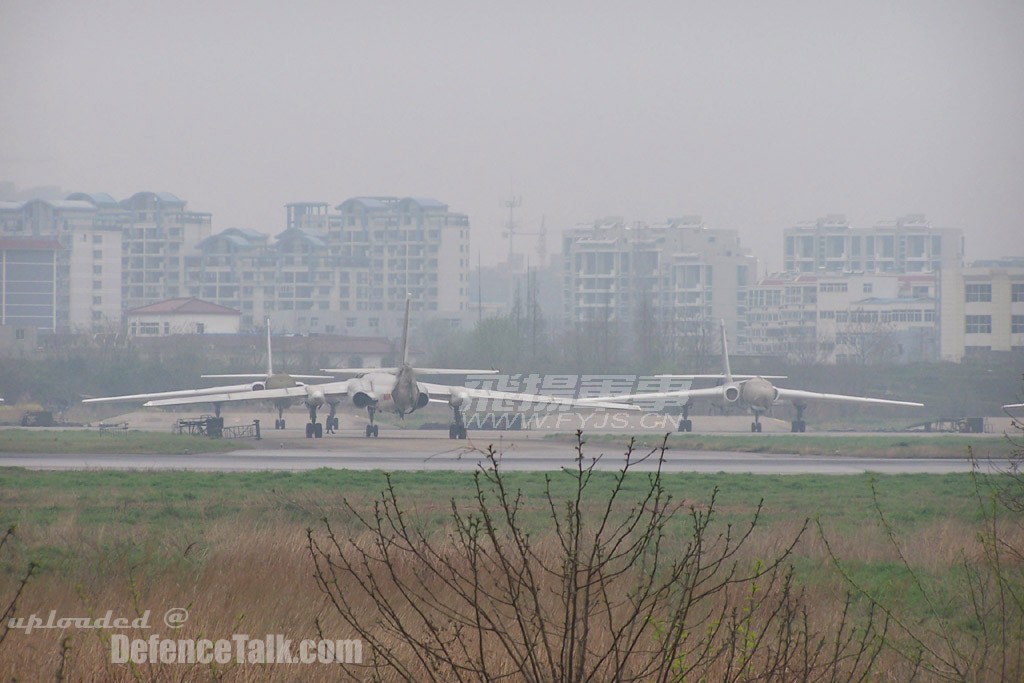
755,115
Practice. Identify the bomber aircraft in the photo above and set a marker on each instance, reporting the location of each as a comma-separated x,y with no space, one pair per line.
260,382
755,394
395,389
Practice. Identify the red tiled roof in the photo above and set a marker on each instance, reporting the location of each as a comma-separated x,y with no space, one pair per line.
184,306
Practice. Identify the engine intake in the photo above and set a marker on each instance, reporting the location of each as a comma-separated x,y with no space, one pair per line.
731,393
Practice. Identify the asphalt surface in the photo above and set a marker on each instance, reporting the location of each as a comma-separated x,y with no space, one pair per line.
415,450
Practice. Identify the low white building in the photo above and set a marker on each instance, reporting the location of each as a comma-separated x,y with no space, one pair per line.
182,316
844,317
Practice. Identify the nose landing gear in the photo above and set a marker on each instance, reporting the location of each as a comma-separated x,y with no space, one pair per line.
372,430
314,430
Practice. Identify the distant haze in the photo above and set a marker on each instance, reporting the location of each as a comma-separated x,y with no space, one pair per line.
755,115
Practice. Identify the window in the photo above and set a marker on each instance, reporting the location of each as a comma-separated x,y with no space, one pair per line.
979,324
1017,324
1017,292
19,334
867,287
978,293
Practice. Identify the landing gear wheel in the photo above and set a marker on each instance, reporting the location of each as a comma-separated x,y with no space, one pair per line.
685,426
334,423
376,431
318,431
309,431
372,430
755,426
799,426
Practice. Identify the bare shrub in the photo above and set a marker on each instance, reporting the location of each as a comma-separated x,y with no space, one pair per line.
973,628
614,581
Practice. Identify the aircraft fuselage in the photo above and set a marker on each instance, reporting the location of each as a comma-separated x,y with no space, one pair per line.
757,394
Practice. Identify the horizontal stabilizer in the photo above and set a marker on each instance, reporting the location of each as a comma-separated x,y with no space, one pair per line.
719,376
263,376
419,371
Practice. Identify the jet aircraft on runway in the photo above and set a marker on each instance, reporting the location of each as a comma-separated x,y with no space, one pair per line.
756,394
396,389
260,382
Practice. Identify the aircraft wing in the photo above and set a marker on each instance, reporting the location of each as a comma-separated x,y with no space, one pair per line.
1011,405
798,395
330,389
445,393
711,392
180,393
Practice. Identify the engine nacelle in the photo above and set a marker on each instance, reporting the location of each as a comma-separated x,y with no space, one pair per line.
258,386
456,399
422,400
361,399
731,393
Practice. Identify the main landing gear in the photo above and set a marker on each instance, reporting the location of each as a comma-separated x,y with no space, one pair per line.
314,430
332,419
279,422
755,426
372,430
457,429
686,424
798,424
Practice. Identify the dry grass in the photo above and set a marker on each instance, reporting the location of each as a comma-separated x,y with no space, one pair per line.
250,572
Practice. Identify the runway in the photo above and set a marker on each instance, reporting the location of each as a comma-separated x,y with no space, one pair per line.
433,451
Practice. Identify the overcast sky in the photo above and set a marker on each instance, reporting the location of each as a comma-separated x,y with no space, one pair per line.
755,115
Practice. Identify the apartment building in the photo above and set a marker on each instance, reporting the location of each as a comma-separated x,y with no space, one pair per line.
87,283
680,273
342,272
158,233
982,309
28,284
905,245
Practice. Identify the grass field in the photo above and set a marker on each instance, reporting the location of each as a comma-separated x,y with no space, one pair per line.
231,547
95,441
855,445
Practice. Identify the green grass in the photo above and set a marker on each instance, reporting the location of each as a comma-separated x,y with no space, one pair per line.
90,441
163,500
896,446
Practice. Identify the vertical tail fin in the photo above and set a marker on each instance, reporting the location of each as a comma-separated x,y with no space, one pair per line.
405,332
725,356
270,359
